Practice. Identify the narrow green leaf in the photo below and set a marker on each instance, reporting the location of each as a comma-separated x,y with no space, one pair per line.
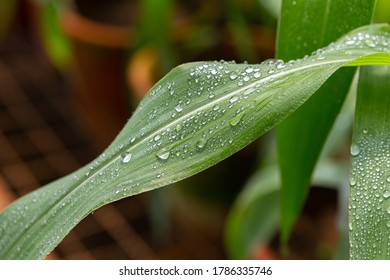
240,31
253,219
156,32
369,219
196,116
305,26
244,227
382,11
55,42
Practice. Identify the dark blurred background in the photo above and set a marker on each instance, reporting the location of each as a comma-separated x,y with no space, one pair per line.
71,74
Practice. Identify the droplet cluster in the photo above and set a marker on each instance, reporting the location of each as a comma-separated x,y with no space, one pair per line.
207,107
370,197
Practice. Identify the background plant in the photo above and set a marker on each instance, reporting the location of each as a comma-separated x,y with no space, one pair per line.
301,137
194,117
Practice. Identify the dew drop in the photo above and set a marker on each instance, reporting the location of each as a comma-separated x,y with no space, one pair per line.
370,43
179,108
257,75
388,209
350,41
157,137
388,179
163,154
321,57
352,182
233,76
270,71
249,70
281,65
386,194
355,150
233,99
201,143
248,91
236,120
126,157
179,127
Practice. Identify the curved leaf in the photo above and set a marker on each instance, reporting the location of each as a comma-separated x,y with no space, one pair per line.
197,115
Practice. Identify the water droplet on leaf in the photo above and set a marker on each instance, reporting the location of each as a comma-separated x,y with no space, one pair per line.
281,65
350,41
236,120
248,91
163,154
386,194
126,157
201,143
249,70
233,99
233,76
321,57
179,108
179,127
355,150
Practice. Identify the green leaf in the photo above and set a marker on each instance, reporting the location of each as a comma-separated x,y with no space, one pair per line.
240,30
196,116
55,42
156,32
382,11
244,227
369,219
305,26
